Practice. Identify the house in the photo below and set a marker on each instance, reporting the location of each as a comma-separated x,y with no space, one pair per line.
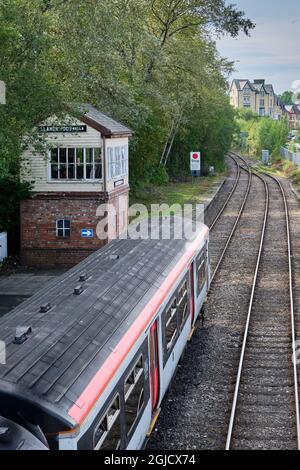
280,111
86,166
257,97
293,114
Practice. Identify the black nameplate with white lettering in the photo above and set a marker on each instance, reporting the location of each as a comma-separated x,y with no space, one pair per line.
63,129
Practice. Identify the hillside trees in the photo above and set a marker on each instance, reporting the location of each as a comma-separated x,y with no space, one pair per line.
152,66
150,63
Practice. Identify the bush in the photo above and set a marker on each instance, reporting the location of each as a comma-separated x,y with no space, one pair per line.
159,176
11,193
263,134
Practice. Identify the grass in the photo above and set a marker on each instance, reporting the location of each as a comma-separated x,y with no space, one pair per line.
282,169
176,193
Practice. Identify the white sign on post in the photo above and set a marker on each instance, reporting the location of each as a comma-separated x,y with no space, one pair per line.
265,156
196,161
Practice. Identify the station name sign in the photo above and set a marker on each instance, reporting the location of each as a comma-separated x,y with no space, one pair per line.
63,129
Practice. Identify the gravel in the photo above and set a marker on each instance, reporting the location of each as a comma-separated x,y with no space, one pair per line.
195,413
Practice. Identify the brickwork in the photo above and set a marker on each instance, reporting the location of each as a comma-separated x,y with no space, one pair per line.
40,245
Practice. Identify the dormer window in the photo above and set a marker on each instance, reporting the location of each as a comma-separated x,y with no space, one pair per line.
76,164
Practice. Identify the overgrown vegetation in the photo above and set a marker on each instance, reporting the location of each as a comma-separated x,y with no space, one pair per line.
12,192
260,133
283,169
175,193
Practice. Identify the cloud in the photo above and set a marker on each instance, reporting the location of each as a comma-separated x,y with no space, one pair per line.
296,85
271,52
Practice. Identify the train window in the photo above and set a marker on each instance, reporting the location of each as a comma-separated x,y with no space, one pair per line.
201,272
183,310
134,394
108,432
171,325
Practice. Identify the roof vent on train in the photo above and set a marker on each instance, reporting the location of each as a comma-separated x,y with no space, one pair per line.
78,290
45,308
22,334
114,257
5,435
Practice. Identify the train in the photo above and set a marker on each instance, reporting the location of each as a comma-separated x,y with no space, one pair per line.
91,356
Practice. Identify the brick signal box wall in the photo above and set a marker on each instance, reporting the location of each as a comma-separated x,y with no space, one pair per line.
40,245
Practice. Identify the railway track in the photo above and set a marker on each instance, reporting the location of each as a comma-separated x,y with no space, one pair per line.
265,412
265,406
221,208
217,258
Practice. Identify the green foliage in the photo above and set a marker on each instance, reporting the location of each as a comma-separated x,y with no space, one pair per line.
244,114
158,176
151,64
263,134
209,129
12,191
287,97
32,93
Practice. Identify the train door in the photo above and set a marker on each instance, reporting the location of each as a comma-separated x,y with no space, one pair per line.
200,279
154,365
192,288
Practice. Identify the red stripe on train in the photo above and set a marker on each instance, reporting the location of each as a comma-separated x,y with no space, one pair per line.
103,377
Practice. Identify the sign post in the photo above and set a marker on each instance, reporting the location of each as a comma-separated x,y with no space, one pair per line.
266,157
196,164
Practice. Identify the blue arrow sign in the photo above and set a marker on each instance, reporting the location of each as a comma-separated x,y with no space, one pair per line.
87,233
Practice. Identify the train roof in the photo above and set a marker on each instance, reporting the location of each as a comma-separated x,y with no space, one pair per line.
73,332
15,437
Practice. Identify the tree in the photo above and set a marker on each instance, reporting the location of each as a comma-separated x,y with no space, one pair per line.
32,91
263,133
287,97
146,63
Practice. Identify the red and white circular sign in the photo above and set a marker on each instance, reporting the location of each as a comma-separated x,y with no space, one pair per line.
196,161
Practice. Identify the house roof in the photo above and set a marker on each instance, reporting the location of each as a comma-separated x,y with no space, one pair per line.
269,88
259,86
241,83
280,103
102,122
292,109
255,87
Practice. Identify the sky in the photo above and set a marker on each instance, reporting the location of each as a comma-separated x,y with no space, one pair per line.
273,50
